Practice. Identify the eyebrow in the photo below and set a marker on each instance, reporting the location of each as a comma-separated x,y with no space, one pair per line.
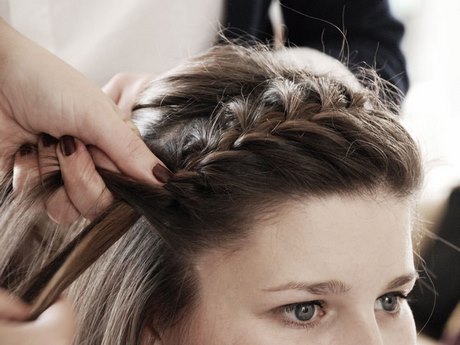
334,287
403,280
337,287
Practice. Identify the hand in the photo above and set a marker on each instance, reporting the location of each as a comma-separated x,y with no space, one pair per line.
56,325
41,94
124,88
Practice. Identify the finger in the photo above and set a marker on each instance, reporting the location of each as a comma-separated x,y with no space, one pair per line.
105,128
12,308
130,154
133,127
60,209
134,84
13,136
25,175
47,160
113,88
83,184
56,325
125,149
101,160
124,88
25,171
58,206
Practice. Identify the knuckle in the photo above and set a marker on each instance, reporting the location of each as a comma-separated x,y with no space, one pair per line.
87,175
120,78
60,209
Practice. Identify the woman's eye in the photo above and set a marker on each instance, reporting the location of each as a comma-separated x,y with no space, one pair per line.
304,311
303,314
390,303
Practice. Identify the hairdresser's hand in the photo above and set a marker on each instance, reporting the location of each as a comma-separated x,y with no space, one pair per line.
55,326
41,94
124,88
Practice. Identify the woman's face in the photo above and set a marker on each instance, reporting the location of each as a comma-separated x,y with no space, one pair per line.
327,271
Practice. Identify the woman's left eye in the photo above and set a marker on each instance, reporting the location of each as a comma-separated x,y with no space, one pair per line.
391,302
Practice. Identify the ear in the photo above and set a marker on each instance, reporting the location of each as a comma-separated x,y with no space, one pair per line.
151,337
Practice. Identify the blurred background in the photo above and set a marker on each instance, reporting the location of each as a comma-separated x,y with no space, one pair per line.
432,107
431,112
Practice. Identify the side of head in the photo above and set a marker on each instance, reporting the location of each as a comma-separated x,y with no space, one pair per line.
245,135
242,127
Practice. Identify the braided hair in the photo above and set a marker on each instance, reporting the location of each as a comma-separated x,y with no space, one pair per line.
244,132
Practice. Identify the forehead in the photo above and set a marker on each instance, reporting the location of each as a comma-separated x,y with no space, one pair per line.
362,241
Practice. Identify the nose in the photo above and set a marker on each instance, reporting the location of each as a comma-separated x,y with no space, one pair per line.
361,330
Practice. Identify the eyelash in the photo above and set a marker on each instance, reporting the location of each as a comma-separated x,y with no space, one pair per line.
401,296
283,310
289,308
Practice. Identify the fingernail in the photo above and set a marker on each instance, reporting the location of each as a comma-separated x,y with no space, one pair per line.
162,173
25,150
67,144
48,140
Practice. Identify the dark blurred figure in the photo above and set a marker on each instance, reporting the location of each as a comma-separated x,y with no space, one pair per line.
373,35
443,265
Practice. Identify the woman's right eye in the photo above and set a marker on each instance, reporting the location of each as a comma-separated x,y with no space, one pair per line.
302,314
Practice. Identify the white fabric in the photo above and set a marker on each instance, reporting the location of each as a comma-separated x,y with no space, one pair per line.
103,37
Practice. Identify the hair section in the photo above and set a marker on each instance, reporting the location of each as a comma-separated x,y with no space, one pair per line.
243,131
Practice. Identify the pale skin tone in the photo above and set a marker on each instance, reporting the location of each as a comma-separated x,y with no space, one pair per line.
41,94
55,99
341,264
55,326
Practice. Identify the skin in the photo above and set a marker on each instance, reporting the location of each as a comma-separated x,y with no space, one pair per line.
40,93
124,88
366,245
55,326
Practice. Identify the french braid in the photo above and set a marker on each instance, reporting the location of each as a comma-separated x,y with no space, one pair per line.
243,131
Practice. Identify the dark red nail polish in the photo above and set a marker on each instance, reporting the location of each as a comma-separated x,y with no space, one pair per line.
25,150
48,140
162,173
67,144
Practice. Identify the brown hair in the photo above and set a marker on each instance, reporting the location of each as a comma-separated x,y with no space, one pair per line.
243,132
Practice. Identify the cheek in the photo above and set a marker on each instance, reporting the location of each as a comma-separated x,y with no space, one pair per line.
211,328
208,325
400,330
217,326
